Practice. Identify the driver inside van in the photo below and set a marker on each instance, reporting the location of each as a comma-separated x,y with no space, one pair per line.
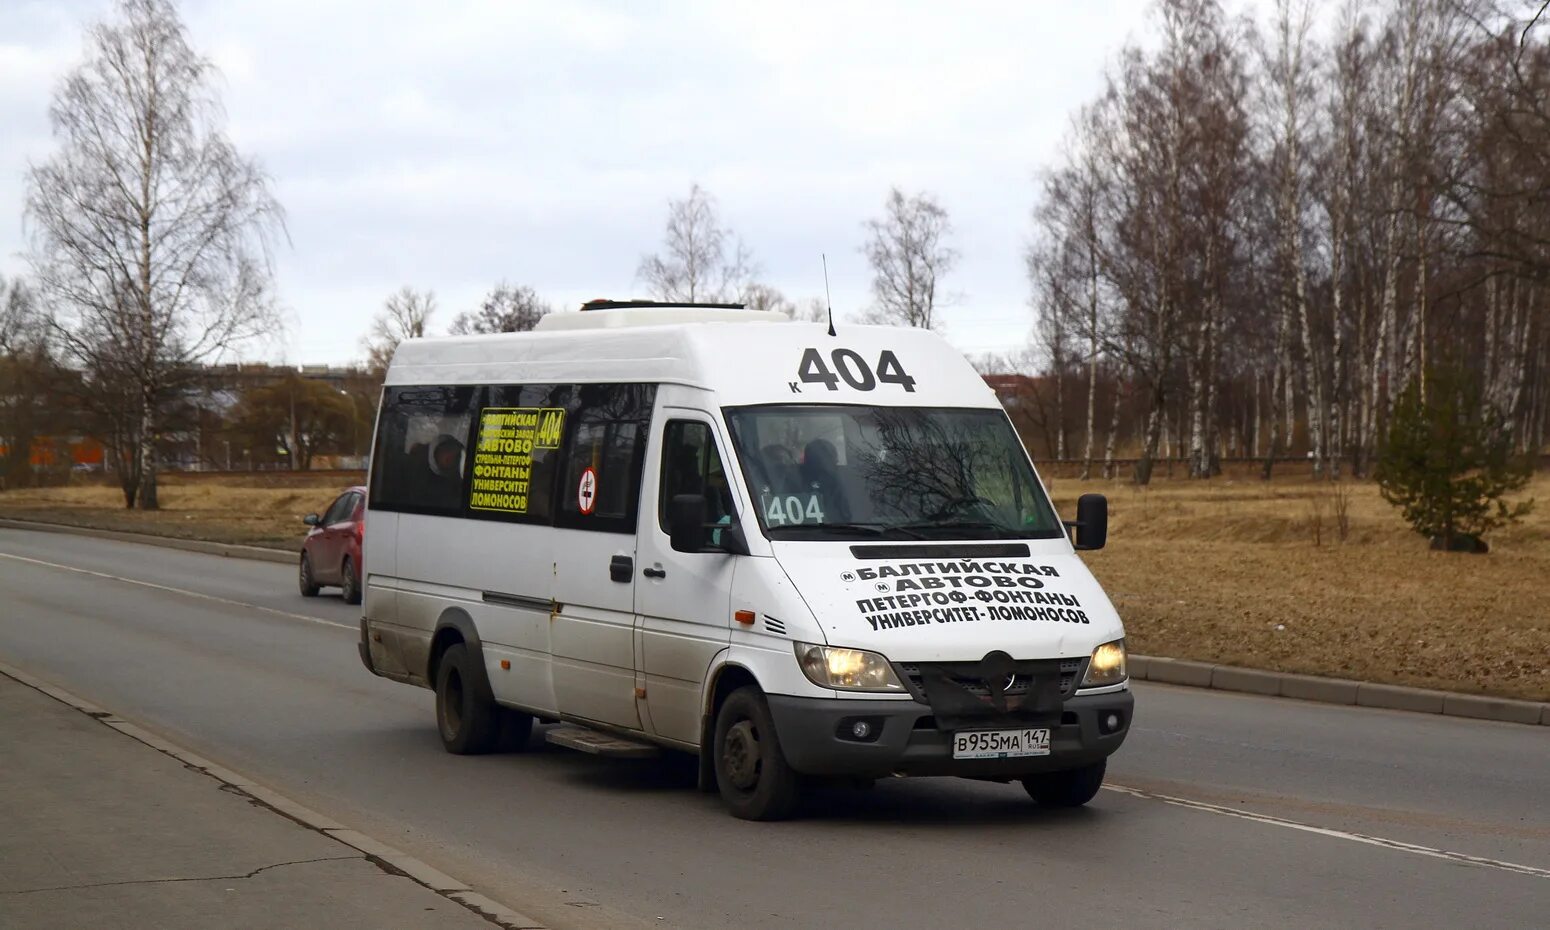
820,469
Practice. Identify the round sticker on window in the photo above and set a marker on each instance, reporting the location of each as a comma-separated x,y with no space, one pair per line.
586,492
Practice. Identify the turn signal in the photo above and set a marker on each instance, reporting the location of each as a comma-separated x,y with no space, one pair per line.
744,617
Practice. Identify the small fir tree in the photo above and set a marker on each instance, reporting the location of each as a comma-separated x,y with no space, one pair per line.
1449,462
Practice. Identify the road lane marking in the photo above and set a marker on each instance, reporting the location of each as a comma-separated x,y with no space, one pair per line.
1336,834
183,591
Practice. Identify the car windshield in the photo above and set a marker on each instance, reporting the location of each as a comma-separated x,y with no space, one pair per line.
841,471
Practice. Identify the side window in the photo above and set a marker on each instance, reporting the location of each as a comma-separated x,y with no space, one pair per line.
691,465
517,439
604,452
422,450
339,510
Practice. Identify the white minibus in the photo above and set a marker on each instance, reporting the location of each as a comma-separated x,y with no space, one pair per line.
798,554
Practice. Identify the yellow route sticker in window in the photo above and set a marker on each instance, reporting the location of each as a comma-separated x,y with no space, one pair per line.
503,454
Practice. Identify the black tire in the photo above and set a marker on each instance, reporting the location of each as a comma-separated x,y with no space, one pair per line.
1071,788
305,580
751,771
350,584
516,730
470,724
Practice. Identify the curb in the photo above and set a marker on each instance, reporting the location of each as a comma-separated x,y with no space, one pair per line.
1335,690
385,857
229,550
1142,668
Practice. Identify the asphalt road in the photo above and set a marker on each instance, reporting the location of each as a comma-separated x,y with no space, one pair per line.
1226,809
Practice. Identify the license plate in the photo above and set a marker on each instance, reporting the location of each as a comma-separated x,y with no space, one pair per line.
1000,744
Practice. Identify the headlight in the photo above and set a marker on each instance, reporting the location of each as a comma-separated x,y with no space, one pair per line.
846,669
1107,666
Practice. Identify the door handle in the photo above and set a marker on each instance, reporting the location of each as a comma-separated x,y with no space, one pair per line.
655,573
621,568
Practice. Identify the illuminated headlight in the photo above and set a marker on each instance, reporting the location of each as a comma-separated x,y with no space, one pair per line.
1107,666
846,669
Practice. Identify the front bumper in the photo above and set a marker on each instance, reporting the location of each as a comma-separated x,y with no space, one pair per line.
910,743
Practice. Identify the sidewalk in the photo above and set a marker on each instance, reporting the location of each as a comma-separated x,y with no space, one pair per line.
98,830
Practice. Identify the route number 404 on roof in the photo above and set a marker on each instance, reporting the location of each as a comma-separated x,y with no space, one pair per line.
852,368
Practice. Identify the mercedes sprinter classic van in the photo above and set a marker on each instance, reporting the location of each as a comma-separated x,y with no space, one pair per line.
714,530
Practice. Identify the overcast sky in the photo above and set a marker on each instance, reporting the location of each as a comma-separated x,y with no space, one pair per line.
449,145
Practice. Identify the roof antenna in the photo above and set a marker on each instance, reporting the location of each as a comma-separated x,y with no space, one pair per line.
826,298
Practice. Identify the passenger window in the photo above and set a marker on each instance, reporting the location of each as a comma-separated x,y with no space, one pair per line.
691,465
422,449
339,510
605,448
516,451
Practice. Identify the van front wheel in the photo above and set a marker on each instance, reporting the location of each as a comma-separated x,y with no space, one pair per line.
751,771
469,726
1071,788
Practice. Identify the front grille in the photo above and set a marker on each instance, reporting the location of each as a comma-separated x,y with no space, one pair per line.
966,675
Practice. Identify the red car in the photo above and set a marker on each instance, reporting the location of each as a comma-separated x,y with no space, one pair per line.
331,553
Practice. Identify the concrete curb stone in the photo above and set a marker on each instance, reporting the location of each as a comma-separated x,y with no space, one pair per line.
229,550
1488,708
1253,681
1179,672
1335,690
1313,688
1399,697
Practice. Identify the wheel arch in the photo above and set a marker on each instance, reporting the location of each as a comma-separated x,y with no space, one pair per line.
452,627
725,678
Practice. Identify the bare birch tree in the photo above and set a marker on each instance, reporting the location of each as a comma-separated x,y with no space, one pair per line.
406,314
701,260
907,248
148,229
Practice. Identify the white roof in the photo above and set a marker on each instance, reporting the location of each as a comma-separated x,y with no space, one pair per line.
750,361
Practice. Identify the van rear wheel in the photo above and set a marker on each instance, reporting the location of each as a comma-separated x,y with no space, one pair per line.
1071,788
469,724
751,771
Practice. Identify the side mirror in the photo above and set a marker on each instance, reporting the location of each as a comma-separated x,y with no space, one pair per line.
686,522
312,519
1092,521
686,527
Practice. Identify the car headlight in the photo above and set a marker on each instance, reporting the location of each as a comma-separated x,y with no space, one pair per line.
846,669
1107,666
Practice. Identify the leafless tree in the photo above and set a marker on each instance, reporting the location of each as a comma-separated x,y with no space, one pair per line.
766,298
149,231
506,309
811,310
701,260
907,248
405,315
28,381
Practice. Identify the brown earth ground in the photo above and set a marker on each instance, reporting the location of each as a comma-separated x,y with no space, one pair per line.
1232,570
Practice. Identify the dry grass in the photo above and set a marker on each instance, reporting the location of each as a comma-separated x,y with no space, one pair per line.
259,510
1250,574
1232,571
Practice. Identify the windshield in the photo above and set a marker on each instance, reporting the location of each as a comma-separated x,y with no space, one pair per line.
839,471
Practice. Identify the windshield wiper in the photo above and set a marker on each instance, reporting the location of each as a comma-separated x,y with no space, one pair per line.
955,525
873,529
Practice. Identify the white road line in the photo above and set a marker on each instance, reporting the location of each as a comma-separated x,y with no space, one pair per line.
1337,834
183,591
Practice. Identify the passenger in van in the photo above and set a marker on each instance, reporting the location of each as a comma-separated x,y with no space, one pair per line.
820,469
443,472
